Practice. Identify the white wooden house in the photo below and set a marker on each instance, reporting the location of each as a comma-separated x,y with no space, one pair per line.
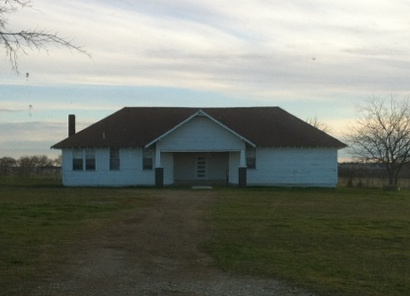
159,146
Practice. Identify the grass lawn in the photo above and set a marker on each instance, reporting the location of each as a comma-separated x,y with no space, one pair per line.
333,242
39,220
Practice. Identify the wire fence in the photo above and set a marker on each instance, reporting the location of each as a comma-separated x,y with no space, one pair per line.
370,176
46,171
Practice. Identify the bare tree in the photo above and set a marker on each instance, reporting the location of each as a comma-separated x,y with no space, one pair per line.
6,163
314,121
16,42
381,134
58,161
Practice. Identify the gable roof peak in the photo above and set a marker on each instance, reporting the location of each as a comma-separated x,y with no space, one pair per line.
200,113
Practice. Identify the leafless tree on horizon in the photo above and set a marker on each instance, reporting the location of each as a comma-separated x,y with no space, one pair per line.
381,134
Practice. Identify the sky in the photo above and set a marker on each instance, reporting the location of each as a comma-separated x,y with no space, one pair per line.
312,58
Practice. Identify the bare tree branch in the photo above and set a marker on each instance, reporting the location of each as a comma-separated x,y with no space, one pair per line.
17,42
314,121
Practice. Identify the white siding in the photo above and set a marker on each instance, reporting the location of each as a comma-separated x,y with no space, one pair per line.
294,167
130,173
278,167
201,134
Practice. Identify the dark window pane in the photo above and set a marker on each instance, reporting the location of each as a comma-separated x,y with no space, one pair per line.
250,163
77,160
90,164
147,164
114,159
77,164
114,164
251,158
147,160
90,160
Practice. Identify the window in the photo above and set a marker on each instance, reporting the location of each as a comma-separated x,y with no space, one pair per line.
77,160
83,157
147,159
90,160
201,167
114,159
250,157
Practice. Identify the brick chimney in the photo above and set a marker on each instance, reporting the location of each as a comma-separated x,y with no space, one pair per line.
71,125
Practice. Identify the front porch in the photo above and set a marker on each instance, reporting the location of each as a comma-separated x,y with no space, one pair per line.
201,168
200,150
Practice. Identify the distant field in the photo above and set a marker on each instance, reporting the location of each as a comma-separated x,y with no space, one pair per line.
333,242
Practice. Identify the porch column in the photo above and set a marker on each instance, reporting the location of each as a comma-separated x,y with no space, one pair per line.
159,170
157,157
242,182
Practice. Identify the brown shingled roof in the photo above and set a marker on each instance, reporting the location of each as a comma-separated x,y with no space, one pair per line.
138,126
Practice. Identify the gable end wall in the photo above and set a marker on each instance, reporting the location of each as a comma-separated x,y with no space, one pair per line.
201,134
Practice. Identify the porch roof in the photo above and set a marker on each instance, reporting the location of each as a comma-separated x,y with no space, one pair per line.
261,126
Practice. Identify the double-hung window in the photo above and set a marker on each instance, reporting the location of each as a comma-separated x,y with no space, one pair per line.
147,159
114,159
84,159
78,160
89,160
250,157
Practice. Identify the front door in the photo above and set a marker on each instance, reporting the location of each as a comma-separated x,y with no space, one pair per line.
201,167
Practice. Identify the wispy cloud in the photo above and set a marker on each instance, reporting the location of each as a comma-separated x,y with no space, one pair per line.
3,110
233,46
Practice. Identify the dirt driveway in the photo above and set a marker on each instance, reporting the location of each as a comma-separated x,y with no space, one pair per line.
155,253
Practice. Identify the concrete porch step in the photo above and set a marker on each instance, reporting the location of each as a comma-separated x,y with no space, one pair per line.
202,187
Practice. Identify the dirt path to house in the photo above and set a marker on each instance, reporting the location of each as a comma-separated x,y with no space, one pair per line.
158,252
